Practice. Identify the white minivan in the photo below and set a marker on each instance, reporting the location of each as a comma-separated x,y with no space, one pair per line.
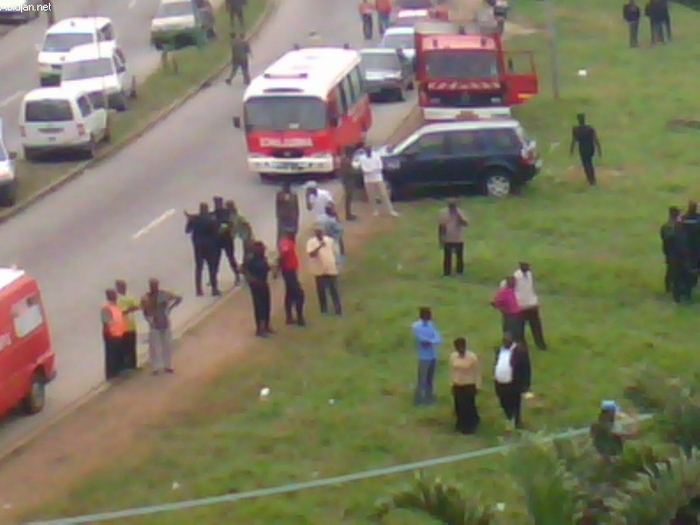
99,71
8,176
58,119
63,36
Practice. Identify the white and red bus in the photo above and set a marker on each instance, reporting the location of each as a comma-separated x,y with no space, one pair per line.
304,110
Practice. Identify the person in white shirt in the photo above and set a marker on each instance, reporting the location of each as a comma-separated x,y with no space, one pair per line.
317,199
510,378
529,303
372,168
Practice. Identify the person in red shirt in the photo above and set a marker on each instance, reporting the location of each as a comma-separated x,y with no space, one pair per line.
506,302
288,264
367,16
383,8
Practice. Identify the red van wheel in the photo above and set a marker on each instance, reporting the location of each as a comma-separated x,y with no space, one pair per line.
36,397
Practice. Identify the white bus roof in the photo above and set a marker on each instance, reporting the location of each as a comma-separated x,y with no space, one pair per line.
9,276
312,71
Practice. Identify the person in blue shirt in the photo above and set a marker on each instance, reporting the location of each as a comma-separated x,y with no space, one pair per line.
427,340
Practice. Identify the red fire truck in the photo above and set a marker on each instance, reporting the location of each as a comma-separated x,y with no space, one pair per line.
303,111
464,71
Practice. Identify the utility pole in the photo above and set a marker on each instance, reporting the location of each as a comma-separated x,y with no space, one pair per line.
553,51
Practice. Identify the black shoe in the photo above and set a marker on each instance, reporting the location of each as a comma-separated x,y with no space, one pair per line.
228,81
351,218
301,322
216,293
290,320
200,293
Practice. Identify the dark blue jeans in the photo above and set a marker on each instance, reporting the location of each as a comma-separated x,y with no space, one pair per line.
425,394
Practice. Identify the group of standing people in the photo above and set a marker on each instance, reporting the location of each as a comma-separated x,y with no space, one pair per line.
519,306
659,15
120,329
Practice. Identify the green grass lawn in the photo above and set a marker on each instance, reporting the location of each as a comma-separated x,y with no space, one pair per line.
595,253
155,93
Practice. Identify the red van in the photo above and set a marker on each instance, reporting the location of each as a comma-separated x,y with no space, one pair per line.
27,360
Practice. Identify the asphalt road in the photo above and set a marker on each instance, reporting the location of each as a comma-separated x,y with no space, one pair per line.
124,219
18,53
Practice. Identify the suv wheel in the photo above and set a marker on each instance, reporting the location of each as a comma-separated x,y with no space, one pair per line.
498,184
36,397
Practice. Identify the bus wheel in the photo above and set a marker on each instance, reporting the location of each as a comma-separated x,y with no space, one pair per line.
36,397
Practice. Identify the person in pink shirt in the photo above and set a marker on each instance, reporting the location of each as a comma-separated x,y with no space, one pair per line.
506,302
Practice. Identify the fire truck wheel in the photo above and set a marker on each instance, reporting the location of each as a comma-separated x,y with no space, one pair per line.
497,184
36,397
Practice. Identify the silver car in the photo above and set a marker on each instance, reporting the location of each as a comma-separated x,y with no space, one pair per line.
388,73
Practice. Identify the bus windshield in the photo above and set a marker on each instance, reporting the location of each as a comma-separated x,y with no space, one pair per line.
462,64
285,113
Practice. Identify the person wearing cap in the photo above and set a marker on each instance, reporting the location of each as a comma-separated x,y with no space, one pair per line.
317,199
529,303
611,430
372,167
451,224
286,211
321,250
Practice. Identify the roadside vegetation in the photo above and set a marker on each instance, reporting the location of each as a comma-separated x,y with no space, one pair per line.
341,391
154,94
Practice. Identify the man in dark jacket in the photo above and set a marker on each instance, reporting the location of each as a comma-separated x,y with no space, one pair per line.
240,54
654,12
226,216
631,14
287,211
588,145
204,230
665,19
675,247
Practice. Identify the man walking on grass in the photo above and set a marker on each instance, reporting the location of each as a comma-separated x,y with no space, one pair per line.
451,237
586,138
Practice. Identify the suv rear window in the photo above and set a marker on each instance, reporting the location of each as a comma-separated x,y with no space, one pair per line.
48,111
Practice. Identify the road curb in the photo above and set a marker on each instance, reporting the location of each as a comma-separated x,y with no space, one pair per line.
196,319
112,149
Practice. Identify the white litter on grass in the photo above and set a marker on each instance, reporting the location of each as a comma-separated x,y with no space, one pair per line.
500,507
331,401
264,392
553,145
399,267
176,485
582,73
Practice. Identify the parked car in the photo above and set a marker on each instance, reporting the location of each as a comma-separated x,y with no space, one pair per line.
495,156
59,119
8,175
27,359
100,72
387,73
402,38
66,34
181,23
19,10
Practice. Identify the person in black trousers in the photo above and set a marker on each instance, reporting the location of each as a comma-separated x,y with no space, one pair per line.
588,145
257,271
204,232
631,14
227,219
288,264
451,224
511,378
665,20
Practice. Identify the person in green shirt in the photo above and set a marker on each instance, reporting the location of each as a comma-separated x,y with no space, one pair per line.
611,431
128,305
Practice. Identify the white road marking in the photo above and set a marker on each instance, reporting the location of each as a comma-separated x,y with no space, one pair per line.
11,98
132,4
154,224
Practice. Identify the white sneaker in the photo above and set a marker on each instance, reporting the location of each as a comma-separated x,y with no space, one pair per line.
375,213
395,213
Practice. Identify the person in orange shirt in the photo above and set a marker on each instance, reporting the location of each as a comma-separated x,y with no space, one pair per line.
367,17
114,327
383,8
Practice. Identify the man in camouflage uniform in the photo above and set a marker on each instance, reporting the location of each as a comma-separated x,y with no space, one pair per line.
240,53
349,177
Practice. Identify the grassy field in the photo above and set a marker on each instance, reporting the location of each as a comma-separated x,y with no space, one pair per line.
595,253
155,93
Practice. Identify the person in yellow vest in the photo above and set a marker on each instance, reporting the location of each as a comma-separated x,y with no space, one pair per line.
128,305
113,330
